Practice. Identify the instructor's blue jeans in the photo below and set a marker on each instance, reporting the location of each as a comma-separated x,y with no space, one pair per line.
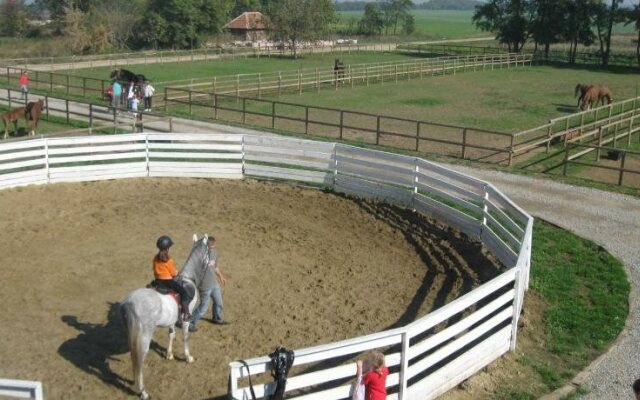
216,295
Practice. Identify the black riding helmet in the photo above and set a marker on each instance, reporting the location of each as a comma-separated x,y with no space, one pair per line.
164,242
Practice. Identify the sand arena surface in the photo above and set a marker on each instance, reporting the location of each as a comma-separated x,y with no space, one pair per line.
304,268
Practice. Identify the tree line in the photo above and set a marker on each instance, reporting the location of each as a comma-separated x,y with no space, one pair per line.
359,5
545,22
384,15
94,26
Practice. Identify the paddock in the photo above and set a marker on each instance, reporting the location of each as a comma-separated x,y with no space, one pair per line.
303,265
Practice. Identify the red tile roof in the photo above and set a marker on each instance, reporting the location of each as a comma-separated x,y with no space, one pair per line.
248,20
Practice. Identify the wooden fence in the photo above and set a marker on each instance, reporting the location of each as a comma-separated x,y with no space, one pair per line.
298,81
97,116
573,125
402,133
424,363
608,152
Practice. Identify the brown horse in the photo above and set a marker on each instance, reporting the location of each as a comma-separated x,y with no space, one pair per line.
581,88
596,95
32,115
12,116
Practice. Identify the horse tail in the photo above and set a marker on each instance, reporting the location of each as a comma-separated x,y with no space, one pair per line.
134,332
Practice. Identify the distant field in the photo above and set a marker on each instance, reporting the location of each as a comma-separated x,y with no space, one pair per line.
434,24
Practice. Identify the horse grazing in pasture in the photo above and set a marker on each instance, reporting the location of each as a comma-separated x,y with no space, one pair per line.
146,309
124,75
338,69
12,116
32,114
596,95
581,88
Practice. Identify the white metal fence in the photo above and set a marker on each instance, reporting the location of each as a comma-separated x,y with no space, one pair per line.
426,357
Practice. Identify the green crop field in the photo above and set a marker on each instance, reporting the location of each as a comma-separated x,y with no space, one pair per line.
433,24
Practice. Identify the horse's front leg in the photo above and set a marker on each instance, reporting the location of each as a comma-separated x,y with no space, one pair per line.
185,340
172,336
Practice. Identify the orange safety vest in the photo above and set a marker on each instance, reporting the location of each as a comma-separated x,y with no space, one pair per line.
164,269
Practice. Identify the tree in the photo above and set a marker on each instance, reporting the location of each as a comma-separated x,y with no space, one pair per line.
372,21
578,26
13,18
509,19
294,21
397,11
548,24
408,24
633,17
184,23
614,16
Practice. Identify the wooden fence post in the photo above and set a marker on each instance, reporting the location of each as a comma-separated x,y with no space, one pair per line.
549,137
378,130
273,115
306,120
599,144
341,123
624,156
66,102
259,85
511,150
417,135
244,110
190,103
566,161
464,143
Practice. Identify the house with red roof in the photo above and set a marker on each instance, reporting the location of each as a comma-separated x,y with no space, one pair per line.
249,26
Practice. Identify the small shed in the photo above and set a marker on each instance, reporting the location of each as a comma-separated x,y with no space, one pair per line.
250,26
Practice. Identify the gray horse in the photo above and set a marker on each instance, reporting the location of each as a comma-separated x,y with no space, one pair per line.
145,309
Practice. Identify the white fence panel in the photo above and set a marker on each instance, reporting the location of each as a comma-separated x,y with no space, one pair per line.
195,169
363,188
447,214
21,389
467,364
31,177
300,175
98,172
499,248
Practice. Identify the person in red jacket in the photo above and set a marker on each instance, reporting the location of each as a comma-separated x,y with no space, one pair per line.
164,271
375,379
24,84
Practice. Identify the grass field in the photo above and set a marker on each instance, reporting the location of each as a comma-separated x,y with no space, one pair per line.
432,24
503,100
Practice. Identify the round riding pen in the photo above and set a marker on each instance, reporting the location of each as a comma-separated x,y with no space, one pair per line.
329,273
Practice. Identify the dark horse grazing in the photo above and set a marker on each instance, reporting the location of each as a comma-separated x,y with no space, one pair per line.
32,115
596,95
124,75
12,116
338,70
581,88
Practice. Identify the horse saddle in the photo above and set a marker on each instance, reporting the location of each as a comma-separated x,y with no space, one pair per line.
164,290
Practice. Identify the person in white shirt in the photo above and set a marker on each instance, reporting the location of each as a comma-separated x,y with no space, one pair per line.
148,92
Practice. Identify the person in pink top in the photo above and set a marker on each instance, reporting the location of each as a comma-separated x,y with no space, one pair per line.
375,379
24,84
